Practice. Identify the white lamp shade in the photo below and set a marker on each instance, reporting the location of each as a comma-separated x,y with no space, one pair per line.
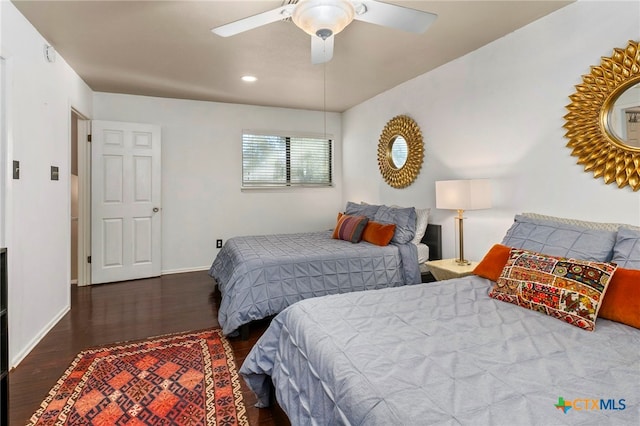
470,194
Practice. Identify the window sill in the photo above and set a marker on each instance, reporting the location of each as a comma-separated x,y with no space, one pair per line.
284,188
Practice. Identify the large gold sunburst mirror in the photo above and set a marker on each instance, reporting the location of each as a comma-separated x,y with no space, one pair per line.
400,151
603,123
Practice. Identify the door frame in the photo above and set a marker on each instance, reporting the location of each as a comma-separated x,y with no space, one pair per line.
4,150
84,197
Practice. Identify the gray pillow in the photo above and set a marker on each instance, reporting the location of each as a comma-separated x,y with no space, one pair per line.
355,209
626,251
404,218
560,239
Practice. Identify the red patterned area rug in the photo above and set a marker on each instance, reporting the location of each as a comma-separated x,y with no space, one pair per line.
179,379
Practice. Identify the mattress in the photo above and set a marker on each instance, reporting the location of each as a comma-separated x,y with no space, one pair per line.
259,276
443,353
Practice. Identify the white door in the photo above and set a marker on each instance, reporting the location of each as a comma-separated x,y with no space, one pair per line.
125,201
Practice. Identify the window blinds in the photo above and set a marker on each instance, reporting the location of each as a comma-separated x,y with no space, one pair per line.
269,160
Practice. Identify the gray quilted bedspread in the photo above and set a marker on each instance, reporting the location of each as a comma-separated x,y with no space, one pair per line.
259,276
443,354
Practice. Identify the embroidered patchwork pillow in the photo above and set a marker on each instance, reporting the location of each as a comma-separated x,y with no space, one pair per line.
568,289
350,228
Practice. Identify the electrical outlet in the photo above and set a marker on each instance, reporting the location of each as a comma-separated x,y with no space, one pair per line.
218,243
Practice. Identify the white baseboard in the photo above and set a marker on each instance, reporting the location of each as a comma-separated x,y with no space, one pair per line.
182,270
17,359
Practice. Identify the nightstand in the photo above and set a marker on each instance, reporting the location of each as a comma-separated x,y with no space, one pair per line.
446,269
427,277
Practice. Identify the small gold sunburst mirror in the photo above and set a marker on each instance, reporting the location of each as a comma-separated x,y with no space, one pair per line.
400,151
603,123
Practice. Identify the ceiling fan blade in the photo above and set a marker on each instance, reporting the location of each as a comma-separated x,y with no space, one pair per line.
398,17
254,21
321,50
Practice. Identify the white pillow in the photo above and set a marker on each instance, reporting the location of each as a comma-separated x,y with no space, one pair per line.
421,224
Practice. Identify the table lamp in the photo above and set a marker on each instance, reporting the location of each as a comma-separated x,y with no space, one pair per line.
461,195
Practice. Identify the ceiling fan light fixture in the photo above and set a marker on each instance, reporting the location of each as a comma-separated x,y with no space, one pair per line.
323,18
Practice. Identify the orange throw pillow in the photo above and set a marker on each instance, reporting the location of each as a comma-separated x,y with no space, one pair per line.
621,301
492,264
378,233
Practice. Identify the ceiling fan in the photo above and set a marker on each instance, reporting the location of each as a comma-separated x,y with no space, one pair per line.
323,19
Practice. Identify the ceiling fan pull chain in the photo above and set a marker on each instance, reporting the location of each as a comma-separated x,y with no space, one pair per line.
324,95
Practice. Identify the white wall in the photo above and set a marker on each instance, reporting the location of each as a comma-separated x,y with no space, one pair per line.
202,174
498,113
39,100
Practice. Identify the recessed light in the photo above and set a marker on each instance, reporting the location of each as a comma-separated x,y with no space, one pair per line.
249,78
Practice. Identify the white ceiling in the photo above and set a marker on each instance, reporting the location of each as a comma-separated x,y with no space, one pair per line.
166,48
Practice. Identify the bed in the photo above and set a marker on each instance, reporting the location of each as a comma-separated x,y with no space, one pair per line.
453,352
259,276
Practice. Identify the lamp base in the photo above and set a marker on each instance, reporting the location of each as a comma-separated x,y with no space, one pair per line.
461,260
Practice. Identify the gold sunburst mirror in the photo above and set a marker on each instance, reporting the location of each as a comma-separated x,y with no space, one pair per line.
400,151
603,123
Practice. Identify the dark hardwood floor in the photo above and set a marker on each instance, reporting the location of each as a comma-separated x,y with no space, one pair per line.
118,312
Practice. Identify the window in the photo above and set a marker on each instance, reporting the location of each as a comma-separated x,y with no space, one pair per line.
283,161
